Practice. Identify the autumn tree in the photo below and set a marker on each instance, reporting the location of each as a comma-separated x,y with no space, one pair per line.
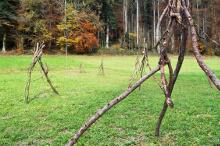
39,20
80,31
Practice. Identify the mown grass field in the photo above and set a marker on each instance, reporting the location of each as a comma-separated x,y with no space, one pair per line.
51,120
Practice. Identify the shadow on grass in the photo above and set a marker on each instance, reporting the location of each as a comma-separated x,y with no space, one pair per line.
39,95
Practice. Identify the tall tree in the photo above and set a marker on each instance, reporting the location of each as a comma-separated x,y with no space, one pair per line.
8,20
39,21
108,17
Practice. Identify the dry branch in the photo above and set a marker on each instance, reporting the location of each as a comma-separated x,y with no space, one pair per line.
197,54
112,103
45,71
182,50
38,52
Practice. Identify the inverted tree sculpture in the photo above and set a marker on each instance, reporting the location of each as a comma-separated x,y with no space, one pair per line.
179,18
38,52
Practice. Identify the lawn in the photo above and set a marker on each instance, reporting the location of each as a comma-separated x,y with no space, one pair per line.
50,119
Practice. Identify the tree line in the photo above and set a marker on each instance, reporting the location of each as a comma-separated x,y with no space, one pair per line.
83,26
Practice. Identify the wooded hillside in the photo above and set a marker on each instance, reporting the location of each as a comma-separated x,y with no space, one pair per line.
85,26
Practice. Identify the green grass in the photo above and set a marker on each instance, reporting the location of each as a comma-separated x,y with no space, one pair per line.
51,120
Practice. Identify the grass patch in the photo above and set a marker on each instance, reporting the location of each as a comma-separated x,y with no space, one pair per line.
51,120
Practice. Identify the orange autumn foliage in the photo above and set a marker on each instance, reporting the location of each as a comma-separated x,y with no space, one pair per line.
85,39
86,43
81,30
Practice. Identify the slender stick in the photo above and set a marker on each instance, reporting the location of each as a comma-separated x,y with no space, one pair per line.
107,107
45,71
197,54
159,24
37,54
27,87
175,76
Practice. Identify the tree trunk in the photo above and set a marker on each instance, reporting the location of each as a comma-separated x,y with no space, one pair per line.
4,43
197,13
125,11
137,21
107,37
20,43
154,21
158,10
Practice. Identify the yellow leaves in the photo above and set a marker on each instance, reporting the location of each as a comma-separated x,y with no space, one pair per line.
81,29
71,23
62,41
132,35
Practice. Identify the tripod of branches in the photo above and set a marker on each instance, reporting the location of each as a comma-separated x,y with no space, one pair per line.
38,52
101,68
178,16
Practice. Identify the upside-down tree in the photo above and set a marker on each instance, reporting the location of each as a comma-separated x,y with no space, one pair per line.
177,14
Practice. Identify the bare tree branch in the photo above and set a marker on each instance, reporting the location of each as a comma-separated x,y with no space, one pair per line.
197,54
107,107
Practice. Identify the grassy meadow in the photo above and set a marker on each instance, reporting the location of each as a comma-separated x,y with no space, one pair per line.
50,119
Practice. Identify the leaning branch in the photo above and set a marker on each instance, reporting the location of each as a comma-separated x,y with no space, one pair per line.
197,54
107,107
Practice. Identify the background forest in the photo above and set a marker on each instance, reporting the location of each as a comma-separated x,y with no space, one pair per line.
91,25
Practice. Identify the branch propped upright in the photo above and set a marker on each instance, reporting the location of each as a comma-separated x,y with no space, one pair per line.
38,52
